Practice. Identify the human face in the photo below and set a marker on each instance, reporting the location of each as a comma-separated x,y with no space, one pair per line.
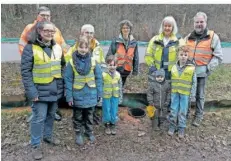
44,16
47,33
112,66
183,57
83,49
125,30
159,78
167,29
89,33
199,24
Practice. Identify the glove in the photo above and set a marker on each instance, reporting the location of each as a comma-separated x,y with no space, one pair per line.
193,99
152,69
150,111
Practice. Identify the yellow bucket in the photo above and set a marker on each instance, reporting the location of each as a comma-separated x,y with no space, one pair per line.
150,111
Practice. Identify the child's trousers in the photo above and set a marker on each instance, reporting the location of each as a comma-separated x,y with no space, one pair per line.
179,108
110,109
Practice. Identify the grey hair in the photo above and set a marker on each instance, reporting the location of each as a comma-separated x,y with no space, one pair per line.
43,8
200,14
170,20
87,26
34,34
126,22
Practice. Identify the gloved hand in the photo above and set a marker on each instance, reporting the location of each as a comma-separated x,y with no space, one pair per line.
152,69
193,99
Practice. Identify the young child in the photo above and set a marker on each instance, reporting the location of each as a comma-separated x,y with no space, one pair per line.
183,85
83,83
112,95
158,95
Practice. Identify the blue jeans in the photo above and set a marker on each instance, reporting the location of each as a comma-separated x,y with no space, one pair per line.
42,121
200,97
179,108
110,109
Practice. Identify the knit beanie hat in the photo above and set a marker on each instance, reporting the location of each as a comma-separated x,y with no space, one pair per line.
160,72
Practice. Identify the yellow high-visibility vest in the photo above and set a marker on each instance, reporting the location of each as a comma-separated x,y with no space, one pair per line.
182,83
81,80
111,85
45,69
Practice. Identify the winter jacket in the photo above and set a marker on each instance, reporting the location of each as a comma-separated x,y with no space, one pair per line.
85,97
204,71
159,93
45,92
57,37
131,43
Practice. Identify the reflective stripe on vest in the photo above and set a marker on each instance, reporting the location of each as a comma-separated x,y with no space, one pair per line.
110,85
182,84
158,56
45,69
125,58
81,80
201,52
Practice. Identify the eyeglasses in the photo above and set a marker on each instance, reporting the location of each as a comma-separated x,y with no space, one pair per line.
89,33
44,16
49,31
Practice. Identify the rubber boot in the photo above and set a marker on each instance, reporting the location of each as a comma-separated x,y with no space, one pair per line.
79,139
155,123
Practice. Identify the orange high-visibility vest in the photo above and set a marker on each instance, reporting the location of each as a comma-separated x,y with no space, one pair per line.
125,58
201,52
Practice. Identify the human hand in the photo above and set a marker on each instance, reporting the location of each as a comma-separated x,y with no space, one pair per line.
35,99
193,99
70,103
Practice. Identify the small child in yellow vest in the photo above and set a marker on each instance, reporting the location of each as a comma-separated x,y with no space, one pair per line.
183,78
112,95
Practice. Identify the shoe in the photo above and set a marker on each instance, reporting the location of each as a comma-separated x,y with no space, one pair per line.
51,141
91,137
181,133
171,131
107,129
79,139
58,117
196,122
37,153
113,129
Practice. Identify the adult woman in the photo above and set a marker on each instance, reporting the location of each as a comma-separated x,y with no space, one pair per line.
125,48
162,49
41,65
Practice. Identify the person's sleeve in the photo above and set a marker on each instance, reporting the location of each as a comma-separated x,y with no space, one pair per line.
168,100
136,61
217,53
121,91
194,85
112,49
69,53
23,39
27,62
150,94
68,79
149,55
98,80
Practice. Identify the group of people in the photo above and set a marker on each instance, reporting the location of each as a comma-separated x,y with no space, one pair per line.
51,69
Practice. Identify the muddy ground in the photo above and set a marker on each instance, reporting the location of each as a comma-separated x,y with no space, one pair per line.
135,141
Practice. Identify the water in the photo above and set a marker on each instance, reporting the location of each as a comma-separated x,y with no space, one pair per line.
9,52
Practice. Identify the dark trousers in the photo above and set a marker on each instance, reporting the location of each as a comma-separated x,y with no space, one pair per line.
83,118
124,79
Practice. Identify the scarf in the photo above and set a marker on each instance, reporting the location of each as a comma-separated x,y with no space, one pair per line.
82,63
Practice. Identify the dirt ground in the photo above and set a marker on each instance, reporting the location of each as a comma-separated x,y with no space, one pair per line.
135,141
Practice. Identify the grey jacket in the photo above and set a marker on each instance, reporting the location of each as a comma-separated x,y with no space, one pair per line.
159,94
204,71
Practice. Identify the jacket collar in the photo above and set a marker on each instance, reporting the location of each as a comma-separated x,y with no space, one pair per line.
194,35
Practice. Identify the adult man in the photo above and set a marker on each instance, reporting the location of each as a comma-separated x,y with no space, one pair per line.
44,14
206,52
